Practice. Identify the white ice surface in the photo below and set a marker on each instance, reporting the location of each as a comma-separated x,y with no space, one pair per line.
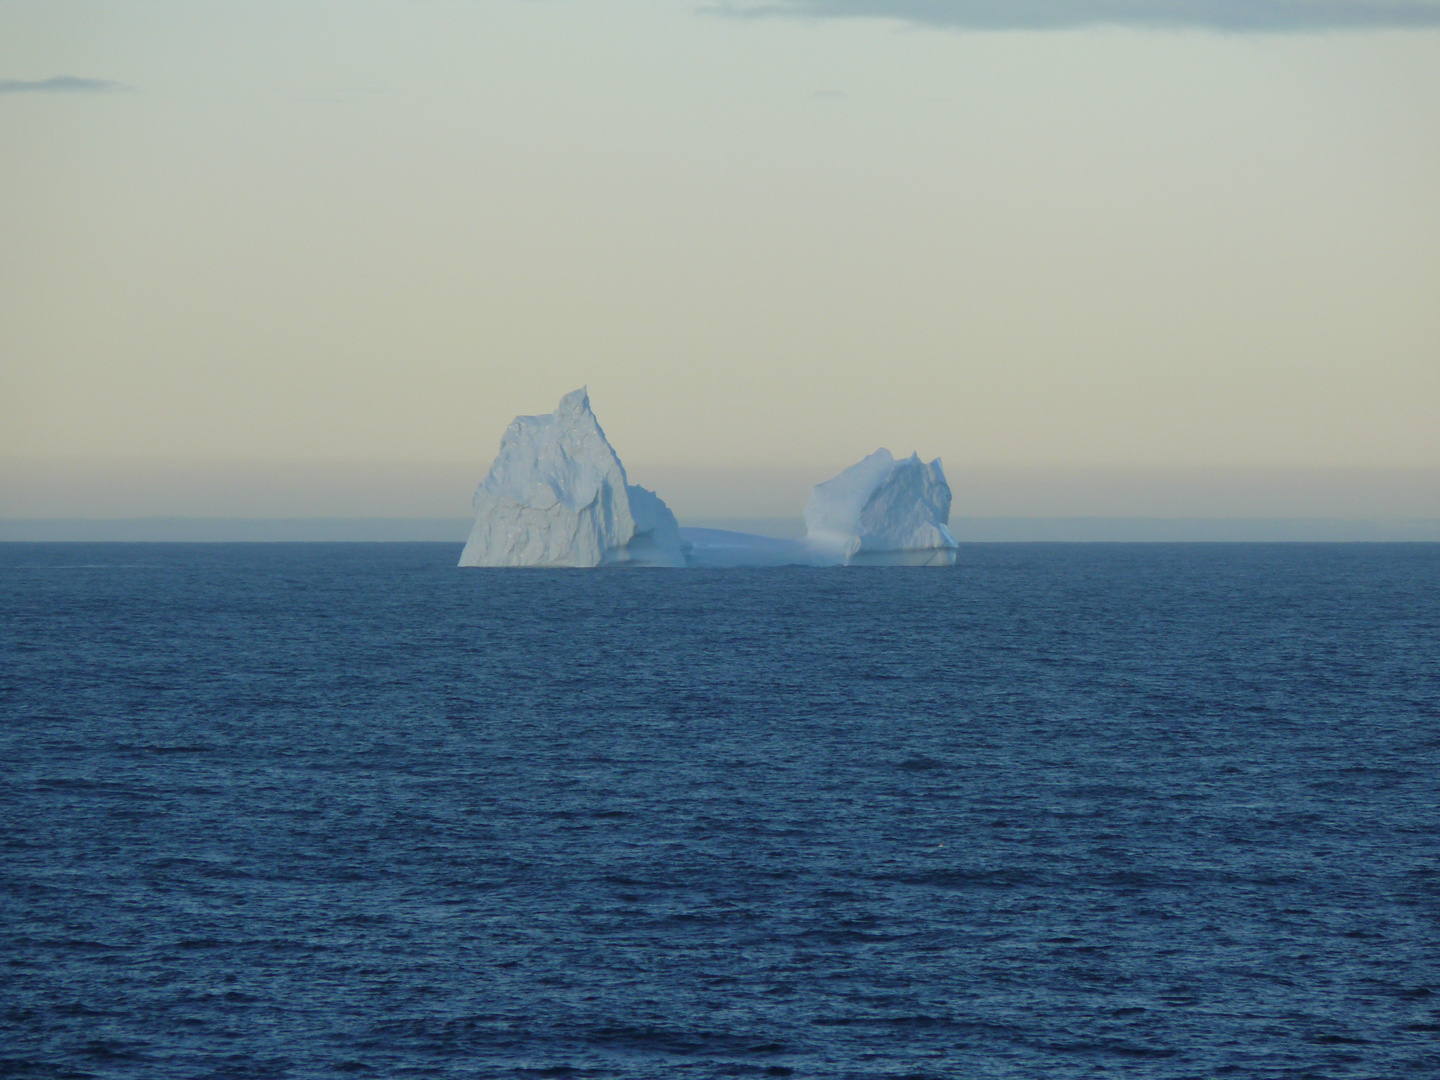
878,512
882,512
557,495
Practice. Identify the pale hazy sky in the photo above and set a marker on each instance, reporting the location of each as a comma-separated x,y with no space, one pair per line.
1193,235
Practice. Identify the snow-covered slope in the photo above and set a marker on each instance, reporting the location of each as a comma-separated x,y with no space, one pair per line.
557,495
881,511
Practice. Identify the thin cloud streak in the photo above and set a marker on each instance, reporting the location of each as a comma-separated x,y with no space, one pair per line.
60,84
1236,16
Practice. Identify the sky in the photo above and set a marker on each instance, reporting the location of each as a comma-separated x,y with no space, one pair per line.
1098,238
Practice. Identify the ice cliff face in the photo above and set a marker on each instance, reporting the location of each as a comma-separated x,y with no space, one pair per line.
557,495
883,512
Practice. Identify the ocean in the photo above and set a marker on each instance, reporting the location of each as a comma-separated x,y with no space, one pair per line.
1062,810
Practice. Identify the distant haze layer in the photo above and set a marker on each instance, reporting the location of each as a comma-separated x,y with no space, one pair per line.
120,489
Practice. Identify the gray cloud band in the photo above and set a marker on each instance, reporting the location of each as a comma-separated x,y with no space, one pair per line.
1274,16
61,84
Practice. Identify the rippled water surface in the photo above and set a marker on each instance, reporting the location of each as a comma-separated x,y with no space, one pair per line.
1060,811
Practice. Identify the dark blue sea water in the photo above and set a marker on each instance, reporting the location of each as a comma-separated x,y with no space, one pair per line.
1062,811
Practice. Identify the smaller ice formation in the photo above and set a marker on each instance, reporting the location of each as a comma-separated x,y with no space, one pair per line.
878,512
882,512
557,495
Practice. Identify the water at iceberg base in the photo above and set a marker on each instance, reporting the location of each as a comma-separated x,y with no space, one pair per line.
1057,812
558,495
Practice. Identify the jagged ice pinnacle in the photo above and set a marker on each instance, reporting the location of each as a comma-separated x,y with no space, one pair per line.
557,495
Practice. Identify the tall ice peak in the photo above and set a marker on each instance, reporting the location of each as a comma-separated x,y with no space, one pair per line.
557,495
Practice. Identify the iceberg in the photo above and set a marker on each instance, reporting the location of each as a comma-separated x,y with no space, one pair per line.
882,512
557,495
878,512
